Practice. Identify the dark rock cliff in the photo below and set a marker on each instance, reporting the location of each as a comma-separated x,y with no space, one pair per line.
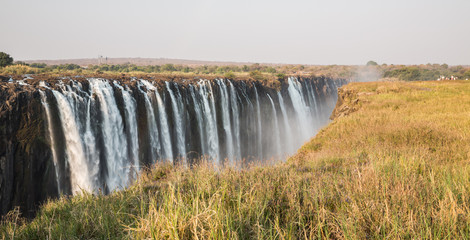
26,171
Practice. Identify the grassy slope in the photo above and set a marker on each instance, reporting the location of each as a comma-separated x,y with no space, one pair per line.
395,168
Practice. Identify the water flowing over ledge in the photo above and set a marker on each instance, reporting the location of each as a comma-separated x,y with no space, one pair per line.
96,134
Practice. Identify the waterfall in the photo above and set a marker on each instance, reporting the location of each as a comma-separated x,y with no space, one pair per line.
152,126
95,143
115,142
79,176
166,142
81,103
226,120
277,135
51,130
91,152
210,119
246,116
235,120
312,100
177,110
260,135
301,109
287,128
214,121
130,106
200,121
183,115
163,120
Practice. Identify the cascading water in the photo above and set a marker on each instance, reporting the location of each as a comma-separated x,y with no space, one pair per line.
235,120
216,154
81,103
200,121
163,120
313,99
260,132
131,129
115,142
226,120
210,120
177,110
155,147
79,175
277,135
287,128
51,130
110,129
301,109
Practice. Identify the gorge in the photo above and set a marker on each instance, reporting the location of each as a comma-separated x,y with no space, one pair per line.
62,136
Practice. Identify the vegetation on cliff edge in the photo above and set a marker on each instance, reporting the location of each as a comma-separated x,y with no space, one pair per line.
396,166
372,71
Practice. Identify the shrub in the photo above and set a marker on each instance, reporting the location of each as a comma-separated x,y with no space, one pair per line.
38,65
168,68
19,70
229,75
281,76
257,75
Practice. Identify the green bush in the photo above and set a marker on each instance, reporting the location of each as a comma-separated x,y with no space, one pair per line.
229,75
5,59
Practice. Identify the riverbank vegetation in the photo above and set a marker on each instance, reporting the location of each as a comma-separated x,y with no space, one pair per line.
392,164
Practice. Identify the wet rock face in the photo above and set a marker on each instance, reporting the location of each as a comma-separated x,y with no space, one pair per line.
25,166
241,118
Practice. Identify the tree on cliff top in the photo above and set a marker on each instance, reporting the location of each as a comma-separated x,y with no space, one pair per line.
5,59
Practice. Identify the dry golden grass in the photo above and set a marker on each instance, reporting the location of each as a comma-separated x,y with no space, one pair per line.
396,167
402,159
18,70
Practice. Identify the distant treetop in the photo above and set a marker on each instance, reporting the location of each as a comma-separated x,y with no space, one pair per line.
5,59
371,63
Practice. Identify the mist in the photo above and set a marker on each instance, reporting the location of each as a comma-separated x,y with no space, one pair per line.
367,74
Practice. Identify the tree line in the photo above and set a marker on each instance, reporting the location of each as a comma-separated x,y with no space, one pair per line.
256,71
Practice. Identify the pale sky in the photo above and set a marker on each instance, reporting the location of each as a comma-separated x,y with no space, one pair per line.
265,31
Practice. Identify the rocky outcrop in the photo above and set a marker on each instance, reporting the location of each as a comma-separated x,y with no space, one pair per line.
347,103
